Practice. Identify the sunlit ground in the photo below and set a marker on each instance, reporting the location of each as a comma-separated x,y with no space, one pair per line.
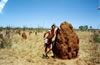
29,51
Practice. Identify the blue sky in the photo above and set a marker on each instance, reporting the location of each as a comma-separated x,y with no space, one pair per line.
44,13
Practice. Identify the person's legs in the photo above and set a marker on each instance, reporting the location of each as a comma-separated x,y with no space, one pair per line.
45,49
49,48
46,53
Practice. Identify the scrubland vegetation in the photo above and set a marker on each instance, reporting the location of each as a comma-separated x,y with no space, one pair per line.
14,50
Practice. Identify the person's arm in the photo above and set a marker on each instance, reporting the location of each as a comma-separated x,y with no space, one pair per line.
45,34
56,30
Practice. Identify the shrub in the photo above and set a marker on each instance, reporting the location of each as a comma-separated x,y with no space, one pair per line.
5,43
83,28
1,28
96,37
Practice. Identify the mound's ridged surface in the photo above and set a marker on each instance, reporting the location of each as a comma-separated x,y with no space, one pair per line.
66,44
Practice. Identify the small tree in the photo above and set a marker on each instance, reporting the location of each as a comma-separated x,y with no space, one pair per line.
90,27
86,27
81,27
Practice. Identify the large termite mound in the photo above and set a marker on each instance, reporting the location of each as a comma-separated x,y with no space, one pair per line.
66,44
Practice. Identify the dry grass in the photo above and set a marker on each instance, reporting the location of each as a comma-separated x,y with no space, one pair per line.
29,51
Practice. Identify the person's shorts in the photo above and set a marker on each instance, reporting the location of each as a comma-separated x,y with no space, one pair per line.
48,45
46,40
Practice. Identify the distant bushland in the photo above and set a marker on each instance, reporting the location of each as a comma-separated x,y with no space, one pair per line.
39,29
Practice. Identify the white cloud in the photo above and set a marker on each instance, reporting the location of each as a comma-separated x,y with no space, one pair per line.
2,4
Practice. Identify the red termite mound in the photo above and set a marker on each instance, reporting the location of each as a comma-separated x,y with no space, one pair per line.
66,44
24,36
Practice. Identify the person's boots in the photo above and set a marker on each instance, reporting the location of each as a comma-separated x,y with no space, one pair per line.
45,56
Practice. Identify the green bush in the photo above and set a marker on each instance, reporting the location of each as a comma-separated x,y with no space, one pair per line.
1,28
96,37
5,43
83,28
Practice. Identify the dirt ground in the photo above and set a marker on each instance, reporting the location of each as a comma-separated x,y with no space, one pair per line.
29,51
